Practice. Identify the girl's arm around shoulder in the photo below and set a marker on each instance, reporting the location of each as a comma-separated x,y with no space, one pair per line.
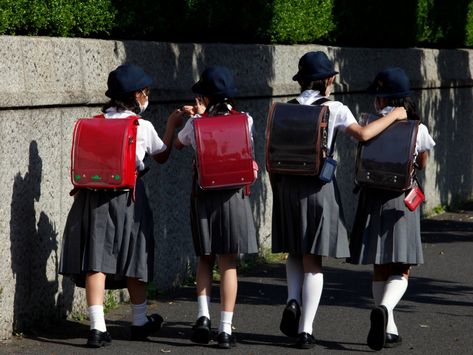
365,133
174,121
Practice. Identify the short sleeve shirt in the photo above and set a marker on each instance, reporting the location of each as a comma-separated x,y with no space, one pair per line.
147,139
424,140
340,115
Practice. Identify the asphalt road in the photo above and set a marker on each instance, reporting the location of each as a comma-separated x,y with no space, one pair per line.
434,317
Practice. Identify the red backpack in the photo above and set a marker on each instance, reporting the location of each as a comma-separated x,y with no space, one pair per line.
224,151
103,154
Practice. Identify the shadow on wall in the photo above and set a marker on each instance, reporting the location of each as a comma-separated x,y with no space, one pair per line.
453,129
33,243
175,68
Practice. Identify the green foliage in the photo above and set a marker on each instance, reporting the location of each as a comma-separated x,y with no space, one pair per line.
56,17
444,23
363,23
110,302
439,209
78,316
301,21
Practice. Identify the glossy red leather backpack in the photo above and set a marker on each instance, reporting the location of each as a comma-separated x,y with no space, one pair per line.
103,154
224,151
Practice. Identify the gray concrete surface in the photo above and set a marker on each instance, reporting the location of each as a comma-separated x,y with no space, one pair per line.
434,317
49,82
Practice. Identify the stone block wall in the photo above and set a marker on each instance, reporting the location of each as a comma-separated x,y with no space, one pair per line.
49,82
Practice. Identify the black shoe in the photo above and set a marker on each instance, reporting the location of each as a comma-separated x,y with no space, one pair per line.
97,339
392,340
290,319
377,335
142,332
201,331
305,341
226,341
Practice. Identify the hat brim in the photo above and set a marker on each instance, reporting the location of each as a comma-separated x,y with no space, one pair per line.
301,76
372,91
198,88
144,82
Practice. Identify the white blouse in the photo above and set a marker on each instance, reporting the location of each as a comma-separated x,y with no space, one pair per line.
147,139
424,141
340,115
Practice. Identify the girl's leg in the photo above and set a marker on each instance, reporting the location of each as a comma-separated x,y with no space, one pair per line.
396,286
295,277
311,291
228,290
389,285
204,284
142,324
137,291
292,312
95,290
202,327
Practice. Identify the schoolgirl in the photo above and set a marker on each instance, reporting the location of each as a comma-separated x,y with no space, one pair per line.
386,233
222,221
307,218
108,239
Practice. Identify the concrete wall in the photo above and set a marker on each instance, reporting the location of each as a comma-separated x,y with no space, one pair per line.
48,82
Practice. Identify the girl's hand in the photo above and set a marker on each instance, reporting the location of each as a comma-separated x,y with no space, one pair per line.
401,113
188,109
199,105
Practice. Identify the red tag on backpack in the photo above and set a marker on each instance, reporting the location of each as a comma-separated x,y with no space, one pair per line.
414,198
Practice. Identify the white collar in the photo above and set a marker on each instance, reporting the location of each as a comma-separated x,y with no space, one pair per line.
386,110
112,112
307,97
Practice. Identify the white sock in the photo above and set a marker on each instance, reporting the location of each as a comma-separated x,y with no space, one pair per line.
139,314
225,322
97,318
203,303
311,293
377,287
294,276
395,288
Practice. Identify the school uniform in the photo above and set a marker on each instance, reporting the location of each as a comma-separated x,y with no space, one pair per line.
221,219
385,230
307,214
106,231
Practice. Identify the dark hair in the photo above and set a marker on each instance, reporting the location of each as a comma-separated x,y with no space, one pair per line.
318,85
218,106
407,103
127,102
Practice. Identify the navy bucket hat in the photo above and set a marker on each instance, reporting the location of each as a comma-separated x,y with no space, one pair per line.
390,83
314,66
125,79
217,82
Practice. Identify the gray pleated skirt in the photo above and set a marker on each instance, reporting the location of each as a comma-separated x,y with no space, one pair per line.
222,222
107,232
385,231
307,217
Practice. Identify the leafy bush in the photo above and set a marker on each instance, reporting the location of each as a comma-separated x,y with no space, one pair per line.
444,23
301,21
363,23
56,17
